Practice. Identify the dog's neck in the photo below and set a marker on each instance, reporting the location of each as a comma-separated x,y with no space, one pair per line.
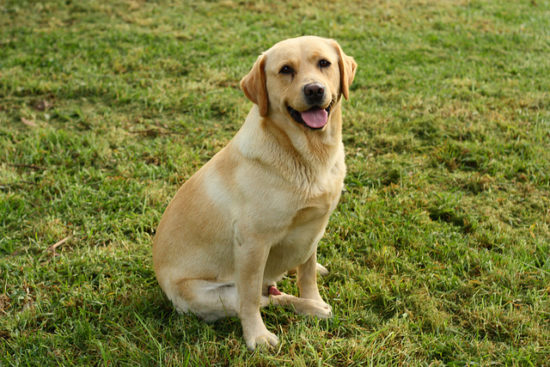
297,152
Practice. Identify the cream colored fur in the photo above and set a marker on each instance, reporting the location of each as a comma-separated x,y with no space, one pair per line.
260,206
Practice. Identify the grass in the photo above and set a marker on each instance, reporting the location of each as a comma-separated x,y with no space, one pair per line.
439,249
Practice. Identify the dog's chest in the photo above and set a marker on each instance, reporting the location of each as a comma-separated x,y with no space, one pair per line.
325,190
301,237
307,226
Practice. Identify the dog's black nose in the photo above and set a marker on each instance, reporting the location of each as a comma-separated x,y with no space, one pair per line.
314,93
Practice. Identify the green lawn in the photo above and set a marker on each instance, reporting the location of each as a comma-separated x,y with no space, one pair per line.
439,249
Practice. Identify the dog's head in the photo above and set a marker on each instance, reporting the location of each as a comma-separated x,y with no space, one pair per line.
300,78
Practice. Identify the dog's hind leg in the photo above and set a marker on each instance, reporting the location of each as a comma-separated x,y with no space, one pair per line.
207,299
321,270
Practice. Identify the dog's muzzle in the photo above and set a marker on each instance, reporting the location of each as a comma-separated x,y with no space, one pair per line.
315,118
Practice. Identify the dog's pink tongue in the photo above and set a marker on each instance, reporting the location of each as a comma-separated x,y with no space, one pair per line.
315,118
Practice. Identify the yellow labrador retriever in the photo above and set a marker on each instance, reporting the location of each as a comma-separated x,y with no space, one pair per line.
260,206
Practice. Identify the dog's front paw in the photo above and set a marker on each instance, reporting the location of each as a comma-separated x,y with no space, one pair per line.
263,338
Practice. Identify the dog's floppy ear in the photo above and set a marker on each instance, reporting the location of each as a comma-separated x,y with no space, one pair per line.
347,67
253,85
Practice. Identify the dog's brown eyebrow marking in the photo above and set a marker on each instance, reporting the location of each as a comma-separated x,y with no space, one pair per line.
315,55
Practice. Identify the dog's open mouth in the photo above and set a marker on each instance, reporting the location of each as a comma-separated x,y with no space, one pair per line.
315,118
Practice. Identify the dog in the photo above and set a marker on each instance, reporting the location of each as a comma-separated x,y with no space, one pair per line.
259,207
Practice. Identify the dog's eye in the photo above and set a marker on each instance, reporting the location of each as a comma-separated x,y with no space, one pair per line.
324,63
286,70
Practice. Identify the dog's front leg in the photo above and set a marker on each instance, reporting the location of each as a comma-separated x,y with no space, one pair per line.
250,260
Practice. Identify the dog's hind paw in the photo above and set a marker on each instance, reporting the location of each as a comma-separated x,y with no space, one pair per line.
322,310
321,270
310,307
